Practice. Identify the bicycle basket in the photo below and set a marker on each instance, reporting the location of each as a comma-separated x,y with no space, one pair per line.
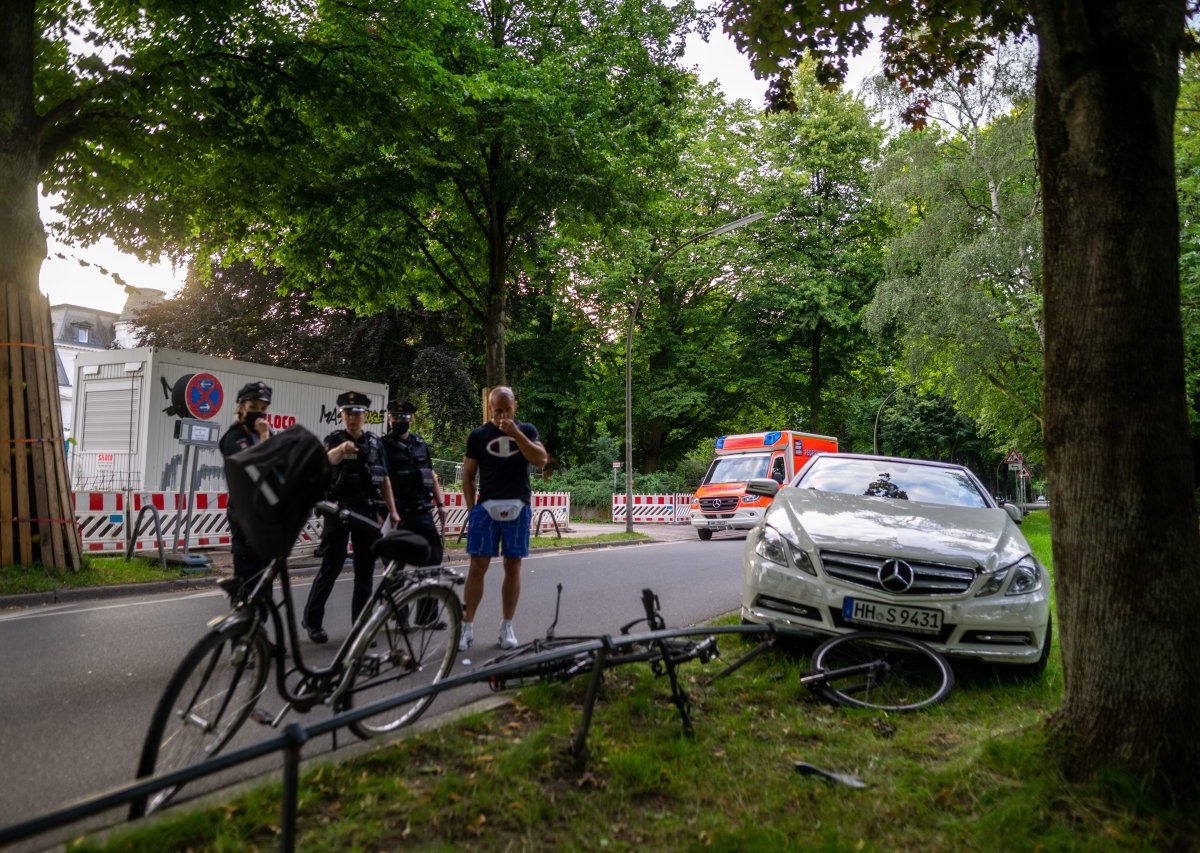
273,486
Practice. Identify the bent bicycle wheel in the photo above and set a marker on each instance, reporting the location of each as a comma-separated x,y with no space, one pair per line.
874,669
411,642
207,700
559,668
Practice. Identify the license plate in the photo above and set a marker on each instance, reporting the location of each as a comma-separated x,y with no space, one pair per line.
718,525
892,616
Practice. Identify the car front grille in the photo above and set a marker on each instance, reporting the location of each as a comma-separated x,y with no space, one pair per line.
720,505
927,578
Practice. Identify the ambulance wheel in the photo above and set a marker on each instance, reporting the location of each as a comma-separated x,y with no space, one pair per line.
705,534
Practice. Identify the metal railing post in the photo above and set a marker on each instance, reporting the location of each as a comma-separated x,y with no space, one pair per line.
295,737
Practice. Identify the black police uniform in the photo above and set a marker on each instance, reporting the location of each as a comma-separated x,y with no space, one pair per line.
246,563
356,485
410,469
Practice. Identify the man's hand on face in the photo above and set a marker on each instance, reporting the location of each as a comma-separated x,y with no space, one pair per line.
506,425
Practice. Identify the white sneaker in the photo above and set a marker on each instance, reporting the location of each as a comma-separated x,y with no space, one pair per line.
508,637
467,637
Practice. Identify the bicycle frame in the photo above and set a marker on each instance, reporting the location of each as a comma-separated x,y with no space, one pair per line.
327,683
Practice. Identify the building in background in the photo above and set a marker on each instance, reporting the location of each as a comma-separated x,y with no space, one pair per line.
78,329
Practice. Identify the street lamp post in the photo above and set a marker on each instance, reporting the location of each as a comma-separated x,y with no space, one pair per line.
637,304
880,410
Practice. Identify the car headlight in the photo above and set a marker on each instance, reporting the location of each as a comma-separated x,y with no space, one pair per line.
773,546
1025,576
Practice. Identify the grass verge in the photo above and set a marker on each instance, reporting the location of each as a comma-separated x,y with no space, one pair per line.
96,571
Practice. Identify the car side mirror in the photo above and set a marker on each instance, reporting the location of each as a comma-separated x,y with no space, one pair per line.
1014,512
764,487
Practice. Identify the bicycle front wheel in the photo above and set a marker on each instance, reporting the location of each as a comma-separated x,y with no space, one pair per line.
411,642
206,701
874,669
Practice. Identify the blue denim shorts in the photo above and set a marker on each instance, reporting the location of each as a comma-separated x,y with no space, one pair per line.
485,535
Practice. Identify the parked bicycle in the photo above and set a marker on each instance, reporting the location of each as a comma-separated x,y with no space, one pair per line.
406,637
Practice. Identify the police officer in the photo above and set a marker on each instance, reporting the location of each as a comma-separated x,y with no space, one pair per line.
248,429
414,484
360,483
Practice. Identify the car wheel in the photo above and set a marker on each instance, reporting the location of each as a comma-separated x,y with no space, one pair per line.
704,534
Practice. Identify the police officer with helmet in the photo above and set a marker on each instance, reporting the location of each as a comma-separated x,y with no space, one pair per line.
360,483
414,484
248,429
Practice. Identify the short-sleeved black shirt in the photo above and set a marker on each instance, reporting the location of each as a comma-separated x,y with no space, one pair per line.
503,470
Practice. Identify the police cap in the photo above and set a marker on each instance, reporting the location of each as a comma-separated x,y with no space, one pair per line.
401,408
354,401
255,391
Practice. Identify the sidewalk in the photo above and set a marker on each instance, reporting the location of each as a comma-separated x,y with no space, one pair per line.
303,562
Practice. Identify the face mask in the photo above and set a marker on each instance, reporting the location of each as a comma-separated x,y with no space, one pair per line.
400,427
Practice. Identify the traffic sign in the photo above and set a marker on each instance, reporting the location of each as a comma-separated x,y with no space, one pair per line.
1014,457
203,396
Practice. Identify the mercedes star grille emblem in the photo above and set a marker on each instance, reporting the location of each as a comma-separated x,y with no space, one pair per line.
896,575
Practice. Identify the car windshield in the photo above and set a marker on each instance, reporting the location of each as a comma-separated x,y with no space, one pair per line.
888,478
738,469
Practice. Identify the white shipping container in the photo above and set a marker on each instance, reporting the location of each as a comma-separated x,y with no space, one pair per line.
125,441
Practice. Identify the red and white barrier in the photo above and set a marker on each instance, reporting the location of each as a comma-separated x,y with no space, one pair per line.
102,518
654,509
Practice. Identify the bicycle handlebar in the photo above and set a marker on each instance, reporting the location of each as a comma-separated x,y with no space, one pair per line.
347,516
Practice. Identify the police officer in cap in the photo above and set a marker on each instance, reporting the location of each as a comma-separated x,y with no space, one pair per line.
248,429
414,484
360,483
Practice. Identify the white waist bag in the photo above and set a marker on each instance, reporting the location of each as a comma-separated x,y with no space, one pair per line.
504,510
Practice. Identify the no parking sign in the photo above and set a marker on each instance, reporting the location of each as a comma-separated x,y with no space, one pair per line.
203,395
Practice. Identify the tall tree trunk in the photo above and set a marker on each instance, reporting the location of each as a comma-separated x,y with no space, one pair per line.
1117,449
37,523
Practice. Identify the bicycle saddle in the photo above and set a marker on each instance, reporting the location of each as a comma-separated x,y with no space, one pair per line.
403,546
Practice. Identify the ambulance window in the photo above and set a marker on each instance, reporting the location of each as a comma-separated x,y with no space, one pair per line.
777,472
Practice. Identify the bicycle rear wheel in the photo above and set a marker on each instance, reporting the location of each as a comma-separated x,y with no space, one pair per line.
411,642
874,669
207,700
555,669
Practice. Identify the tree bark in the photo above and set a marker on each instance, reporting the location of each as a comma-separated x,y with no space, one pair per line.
1117,444
37,524
22,235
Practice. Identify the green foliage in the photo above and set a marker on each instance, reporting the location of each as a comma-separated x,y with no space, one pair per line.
962,293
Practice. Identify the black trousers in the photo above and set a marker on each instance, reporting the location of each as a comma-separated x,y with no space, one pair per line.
422,524
334,546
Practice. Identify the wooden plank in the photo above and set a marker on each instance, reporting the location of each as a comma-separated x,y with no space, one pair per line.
7,448
19,431
47,396
56,461
68,532
40,504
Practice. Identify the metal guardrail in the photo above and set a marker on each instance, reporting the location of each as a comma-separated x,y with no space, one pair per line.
294,736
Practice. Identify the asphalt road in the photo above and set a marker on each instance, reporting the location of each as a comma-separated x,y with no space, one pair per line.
78,682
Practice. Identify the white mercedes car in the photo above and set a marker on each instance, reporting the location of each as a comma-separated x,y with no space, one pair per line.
859,542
